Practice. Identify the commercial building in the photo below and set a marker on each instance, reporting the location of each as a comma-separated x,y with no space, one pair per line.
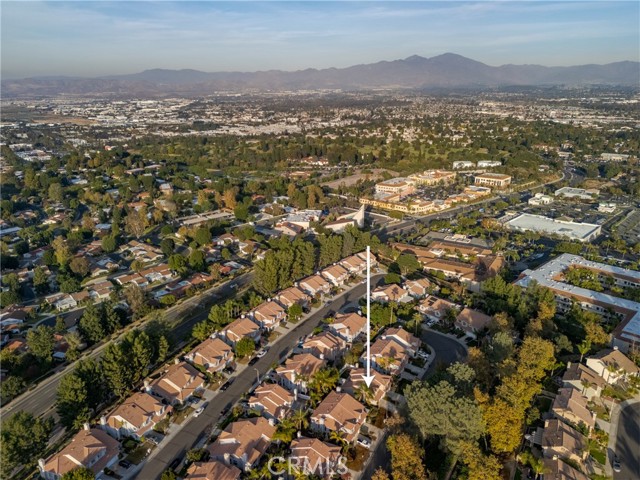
489,163
626,335
433,177
462,164
583,232
540,199
495,180
581,193
399,186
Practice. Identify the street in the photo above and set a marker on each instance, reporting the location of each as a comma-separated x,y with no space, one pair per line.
41,399
628,443
182,442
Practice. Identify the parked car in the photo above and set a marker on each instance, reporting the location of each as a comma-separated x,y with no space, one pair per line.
254,360
423,354
198,412
124,463
227,384
617,466
261,353
364,441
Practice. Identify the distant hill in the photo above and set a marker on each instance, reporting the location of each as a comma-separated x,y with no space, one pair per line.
415,72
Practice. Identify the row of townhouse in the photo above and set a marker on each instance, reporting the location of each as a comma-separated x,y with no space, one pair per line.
157,273
561,438
95,292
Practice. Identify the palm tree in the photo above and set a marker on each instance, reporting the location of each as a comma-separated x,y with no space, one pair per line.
537,465
364,393
299,419
338,437
584,348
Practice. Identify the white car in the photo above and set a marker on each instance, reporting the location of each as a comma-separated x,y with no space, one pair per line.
423,354
198,412
365,442
261,353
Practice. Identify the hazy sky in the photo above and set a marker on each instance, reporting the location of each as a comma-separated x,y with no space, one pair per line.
92,38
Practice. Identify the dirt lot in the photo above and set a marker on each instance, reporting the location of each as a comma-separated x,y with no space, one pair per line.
353,179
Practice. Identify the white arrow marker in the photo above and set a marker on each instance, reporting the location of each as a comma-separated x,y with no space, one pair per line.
368,377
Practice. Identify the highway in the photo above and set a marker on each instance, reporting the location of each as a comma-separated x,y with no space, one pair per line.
628,443
40,401
191,433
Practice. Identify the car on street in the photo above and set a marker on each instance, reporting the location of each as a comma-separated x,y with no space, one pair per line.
422,354
262,352
124,463
227,384
254,360
198,412
173,465
364,441
228,370
617,466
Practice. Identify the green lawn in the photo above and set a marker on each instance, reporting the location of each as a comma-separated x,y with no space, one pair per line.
140,453
599,455
181,415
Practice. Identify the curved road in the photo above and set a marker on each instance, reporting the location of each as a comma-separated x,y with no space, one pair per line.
628,443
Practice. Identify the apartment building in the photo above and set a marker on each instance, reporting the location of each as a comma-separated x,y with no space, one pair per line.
494,180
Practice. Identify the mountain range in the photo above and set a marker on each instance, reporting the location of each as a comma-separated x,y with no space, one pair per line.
447,71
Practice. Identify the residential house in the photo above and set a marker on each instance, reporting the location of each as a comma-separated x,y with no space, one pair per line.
179,382
90,447
556,469
325,345
612,365
355,264
390,293
135,416
379,387
240,328
581,377
348,326
387,356
213,354
571,406
418,288
292,295
133,278
268,315
435,308
272,401
62,301
288,229
559,439
243,442
339,412
404,338
298,370
315,285
212,470
472,321
336,274
315,457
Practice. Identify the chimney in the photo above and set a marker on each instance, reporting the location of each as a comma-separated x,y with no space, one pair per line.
321,420
272,422
338,389
176,360
227,457
293,377
86,426
299,434
295,394
616,348
103,421
242,316
147,385
41,464
555,457
321,356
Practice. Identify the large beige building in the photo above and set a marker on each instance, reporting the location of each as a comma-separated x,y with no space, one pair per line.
496,180
433,177
399,186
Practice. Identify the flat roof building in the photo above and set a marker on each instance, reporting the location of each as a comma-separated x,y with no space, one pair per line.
497,180
551,275
583,232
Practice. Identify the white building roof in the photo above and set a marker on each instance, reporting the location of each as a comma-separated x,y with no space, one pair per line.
538,223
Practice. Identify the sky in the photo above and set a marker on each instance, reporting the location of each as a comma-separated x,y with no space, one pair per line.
96,38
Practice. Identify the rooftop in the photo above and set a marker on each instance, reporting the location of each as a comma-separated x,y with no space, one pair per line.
538,223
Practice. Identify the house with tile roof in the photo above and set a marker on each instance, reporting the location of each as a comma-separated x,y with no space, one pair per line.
335,274
472,321
315,285
325,345
179,382
243,442
339,412
291,295
213,354
90,447
570,406
564,441
272,401
379,387
584,379
612,365
298,370
238,329
348,326
212,470
268,315
316,457
135,416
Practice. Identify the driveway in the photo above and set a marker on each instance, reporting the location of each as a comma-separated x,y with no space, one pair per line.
628,443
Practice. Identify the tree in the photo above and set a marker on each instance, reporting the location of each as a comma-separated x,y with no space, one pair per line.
245,347
197,260
169,475
178,264
380,474
68,284
80,266
202,330
109,243
294,312
40,341
167,245
72,402
24,439
229,198
11,387
408,264
136,222
202,236
584,348
241,212
406,457
61,250
74,341
91,326
137,300
79,473
40,280
163,348
55,193
438,410
391,277
481,467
